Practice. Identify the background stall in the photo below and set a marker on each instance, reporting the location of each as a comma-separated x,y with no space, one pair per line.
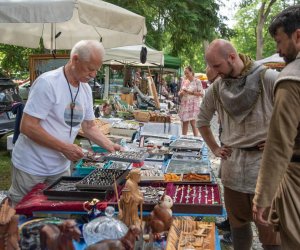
123,59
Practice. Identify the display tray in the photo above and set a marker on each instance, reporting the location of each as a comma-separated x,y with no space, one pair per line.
200,199
152,171
94,156
172,177
156,142
155,157
191,137
188,144
188,178
118,165
85,167
187,156
187,234
65,189
102,179
196,178
156,136
127,156
195,198
184,166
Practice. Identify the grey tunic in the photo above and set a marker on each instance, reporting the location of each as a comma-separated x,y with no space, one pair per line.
239,172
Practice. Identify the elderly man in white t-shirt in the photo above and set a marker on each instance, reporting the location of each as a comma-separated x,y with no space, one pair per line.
59,102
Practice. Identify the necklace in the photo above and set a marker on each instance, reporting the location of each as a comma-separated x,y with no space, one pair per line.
73,103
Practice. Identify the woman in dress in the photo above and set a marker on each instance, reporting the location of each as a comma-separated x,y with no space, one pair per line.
190,93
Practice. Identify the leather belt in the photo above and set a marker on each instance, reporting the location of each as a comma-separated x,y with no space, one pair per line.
295,158
254,148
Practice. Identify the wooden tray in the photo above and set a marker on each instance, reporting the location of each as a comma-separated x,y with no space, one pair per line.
187,234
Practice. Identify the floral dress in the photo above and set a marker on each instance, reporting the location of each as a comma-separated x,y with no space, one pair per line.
190,104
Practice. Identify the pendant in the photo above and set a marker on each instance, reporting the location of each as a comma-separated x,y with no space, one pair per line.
72,105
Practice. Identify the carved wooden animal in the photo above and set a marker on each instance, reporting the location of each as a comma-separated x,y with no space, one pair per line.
160,219
59,237
9,234
125,243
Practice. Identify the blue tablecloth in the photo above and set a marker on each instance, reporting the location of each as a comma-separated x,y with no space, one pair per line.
81,245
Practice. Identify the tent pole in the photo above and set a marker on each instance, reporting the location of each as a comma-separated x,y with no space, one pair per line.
106,83
52,34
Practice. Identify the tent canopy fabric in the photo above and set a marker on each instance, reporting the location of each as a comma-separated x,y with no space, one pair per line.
172,62
131,55
65,22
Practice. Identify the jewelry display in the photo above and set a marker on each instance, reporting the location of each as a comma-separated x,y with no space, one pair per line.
182,191
175,195
128,156
212,195
186,144
65,186
152,194
92,156
187,197
199,194
119,165
87,164
206,194
184,166
195,194
102,179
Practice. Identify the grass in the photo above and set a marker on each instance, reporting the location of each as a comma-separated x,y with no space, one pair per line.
5,165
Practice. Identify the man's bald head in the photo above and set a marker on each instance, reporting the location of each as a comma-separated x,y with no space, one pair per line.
221,48
223,58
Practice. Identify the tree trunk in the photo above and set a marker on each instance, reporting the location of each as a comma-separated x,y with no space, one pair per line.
263,13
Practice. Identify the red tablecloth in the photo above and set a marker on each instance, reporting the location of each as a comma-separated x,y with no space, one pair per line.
35,200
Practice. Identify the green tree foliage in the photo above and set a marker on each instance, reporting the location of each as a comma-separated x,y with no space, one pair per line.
179,27
245,28
15,59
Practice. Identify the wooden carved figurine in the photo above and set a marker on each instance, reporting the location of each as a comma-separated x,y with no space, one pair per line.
125,243
9,234
59,237
160,219
126,206
134,197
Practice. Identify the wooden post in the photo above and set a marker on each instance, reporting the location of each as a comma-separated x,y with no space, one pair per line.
153,88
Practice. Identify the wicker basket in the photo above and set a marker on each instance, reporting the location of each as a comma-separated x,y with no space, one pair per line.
162,118
103,125
141,116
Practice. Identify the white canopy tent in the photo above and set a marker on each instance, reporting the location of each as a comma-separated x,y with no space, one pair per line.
131,55
62,23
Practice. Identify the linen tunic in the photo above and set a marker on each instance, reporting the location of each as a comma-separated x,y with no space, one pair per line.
239,172
279,178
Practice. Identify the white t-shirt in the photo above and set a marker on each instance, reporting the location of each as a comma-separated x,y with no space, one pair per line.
49,100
